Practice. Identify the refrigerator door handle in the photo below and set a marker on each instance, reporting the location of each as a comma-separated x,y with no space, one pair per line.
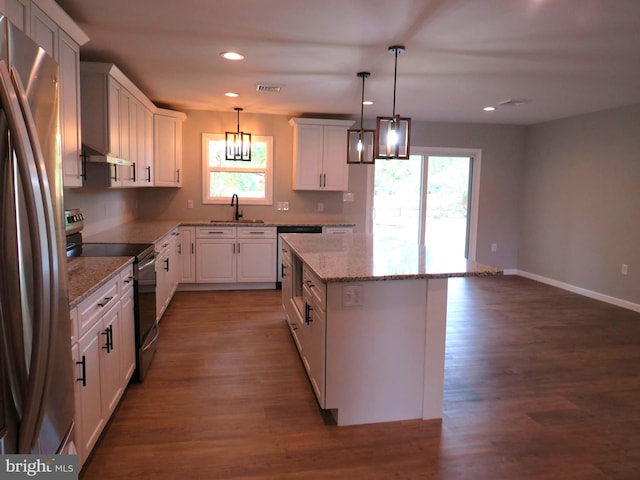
31,174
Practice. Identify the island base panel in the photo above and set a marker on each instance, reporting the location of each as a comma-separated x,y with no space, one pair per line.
375,351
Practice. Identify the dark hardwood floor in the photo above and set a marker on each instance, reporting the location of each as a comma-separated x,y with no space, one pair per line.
540,383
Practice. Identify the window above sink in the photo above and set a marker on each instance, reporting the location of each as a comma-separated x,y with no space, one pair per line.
252,181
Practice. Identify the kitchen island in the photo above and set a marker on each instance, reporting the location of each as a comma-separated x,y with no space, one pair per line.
368,316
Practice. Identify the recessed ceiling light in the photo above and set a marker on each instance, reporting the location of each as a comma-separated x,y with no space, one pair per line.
231,94
489,109
367,102
232,55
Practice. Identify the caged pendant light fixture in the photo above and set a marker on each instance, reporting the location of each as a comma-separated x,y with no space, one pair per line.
238,144
392,133
360,142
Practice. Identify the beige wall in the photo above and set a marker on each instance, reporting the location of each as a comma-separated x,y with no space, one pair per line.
580,201
102,208
502,151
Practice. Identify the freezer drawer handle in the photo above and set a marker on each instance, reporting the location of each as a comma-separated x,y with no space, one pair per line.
83,377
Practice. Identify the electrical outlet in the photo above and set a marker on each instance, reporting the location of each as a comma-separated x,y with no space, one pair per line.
189,203
347,197
625,269
352,295
320,207
494,247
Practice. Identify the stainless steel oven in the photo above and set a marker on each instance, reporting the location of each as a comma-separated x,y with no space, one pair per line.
144,285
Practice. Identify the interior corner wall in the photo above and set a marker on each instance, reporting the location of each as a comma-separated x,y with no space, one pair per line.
579,203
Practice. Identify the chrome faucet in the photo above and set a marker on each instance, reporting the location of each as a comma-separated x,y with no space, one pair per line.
238,213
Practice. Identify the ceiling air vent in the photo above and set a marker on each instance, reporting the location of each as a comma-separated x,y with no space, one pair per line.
264,87
513,102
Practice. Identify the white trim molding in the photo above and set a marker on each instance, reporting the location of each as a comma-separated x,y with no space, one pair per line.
579,290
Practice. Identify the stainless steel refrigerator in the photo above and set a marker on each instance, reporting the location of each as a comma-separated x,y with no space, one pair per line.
36,387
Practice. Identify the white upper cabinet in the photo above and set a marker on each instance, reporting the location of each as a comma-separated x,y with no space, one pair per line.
44,31
51,28
167,148
320,154
117,121
18,12
70,125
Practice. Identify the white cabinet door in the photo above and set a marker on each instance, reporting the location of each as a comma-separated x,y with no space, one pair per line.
88,370
320,154
70,131
162,282
126,341
334,162
18,12
167,150
113,114
317,329
174,262
187,255
110,360
144,146
216,260
44,31
307,168
256,260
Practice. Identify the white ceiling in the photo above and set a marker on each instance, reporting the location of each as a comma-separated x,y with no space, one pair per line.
565,56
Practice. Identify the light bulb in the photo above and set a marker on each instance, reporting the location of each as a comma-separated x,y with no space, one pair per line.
392,137
359,147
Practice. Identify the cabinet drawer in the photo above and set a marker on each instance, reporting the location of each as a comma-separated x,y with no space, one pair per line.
97,303
163,244
256,232
126,278
215,232
315,287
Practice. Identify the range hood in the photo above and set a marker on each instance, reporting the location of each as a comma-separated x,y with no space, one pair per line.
94,156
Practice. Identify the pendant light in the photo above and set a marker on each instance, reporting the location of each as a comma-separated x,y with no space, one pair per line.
360,142
392,133
238,144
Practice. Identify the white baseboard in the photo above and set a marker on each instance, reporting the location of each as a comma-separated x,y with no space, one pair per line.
581,291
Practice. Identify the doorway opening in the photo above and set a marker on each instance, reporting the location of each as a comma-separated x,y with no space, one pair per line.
432,198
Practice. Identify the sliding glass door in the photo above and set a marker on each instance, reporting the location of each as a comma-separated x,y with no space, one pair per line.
430,199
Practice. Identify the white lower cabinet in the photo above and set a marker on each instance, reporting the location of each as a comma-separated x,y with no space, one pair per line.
167,270
235,254
104,356
187,255
314,333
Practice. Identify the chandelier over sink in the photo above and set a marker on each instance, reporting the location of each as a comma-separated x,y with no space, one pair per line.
238,144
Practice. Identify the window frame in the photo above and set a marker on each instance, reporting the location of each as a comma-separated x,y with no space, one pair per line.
268,171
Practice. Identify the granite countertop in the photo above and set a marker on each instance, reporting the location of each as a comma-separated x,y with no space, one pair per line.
361,257
138,231
87,274
151,231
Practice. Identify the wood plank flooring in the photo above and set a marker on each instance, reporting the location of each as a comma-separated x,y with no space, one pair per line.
540,383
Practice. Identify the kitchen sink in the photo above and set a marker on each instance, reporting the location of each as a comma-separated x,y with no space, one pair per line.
237,221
